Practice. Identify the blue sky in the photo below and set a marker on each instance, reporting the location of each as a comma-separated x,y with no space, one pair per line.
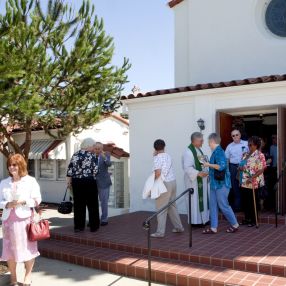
143,32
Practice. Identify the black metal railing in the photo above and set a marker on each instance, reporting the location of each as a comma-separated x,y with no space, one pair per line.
147,226
276,187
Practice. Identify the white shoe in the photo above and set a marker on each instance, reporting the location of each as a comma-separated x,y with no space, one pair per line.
157,234
178,230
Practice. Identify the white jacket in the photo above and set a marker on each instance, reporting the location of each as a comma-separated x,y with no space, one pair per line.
154,188
27,190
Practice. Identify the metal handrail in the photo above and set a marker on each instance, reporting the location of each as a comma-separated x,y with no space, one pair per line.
147,225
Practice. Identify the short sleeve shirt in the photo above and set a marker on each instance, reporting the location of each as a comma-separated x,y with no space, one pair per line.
234,151
163,162
254,163
83,164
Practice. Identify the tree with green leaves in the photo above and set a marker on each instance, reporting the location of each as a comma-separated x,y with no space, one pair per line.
56,70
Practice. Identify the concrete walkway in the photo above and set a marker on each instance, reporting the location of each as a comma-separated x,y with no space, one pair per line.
48,272
56,273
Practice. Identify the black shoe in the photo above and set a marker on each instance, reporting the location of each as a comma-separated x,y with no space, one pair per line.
251,224
93,229
198,225
78,230
245,222
104,223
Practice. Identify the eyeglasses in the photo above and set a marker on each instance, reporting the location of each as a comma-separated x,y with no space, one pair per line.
234,135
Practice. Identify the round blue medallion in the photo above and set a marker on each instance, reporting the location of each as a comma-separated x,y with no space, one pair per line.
276,17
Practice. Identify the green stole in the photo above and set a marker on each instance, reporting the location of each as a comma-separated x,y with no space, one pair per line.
199,179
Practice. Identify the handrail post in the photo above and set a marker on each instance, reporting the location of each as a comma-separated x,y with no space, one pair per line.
147,226
190,219
149,255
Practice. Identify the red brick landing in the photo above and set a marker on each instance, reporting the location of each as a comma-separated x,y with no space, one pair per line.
249,257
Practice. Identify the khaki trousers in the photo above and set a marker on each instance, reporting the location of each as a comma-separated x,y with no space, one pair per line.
172,211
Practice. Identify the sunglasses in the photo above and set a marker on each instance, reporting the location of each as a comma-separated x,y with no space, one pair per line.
234,135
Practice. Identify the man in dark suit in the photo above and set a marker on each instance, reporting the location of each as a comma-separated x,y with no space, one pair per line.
103,180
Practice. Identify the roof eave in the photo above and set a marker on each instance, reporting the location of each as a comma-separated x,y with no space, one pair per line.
173,3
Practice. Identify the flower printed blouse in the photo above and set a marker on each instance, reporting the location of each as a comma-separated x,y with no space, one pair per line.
254,163
83,164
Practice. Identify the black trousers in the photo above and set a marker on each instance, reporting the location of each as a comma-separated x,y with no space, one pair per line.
248,204
234,194
85,194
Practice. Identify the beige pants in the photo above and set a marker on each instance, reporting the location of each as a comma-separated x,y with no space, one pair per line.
172,211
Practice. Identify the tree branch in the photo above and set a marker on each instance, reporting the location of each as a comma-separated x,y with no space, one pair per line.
10,139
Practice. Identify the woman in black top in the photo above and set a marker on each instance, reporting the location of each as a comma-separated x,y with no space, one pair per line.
81,176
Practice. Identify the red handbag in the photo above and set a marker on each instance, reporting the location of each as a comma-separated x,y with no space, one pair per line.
39,230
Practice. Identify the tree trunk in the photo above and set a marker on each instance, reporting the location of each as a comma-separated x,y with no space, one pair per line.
28,141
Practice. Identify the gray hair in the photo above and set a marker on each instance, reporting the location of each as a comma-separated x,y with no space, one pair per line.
87,143
99,144
215,137
196,135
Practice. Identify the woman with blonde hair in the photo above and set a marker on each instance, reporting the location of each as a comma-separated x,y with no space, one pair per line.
18,194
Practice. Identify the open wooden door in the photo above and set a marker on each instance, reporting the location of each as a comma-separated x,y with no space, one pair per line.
224,127
281,137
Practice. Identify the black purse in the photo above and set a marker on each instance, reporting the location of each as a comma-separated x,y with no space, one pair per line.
65,207
219,175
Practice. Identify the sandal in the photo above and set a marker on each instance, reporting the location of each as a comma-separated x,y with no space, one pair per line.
232,229
208,231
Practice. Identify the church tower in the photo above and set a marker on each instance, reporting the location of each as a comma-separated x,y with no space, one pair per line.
222,40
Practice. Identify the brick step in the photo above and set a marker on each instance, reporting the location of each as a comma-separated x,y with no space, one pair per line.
168,272
235,260
263,218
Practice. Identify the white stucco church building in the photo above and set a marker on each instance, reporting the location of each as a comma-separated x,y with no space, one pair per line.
230,69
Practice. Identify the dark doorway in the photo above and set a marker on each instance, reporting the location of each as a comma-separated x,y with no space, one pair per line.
261,125
256,124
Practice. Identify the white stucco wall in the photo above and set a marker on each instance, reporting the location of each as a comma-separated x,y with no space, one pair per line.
173,118
224,40
107,130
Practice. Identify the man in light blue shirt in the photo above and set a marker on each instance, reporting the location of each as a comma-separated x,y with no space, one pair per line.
273,151
233,153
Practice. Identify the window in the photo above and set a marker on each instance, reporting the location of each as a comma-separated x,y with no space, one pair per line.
31,168
47,169
62,169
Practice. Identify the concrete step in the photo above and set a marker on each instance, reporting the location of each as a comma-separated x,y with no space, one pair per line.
165,271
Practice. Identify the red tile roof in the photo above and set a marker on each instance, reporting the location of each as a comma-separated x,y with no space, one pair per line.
115,151
120,118
173,3
247,81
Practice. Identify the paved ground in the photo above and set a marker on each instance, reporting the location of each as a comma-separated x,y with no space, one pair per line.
52,272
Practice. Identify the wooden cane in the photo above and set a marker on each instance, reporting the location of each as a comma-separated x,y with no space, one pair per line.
254,201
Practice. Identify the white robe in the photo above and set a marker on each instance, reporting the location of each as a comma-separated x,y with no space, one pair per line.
190,178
